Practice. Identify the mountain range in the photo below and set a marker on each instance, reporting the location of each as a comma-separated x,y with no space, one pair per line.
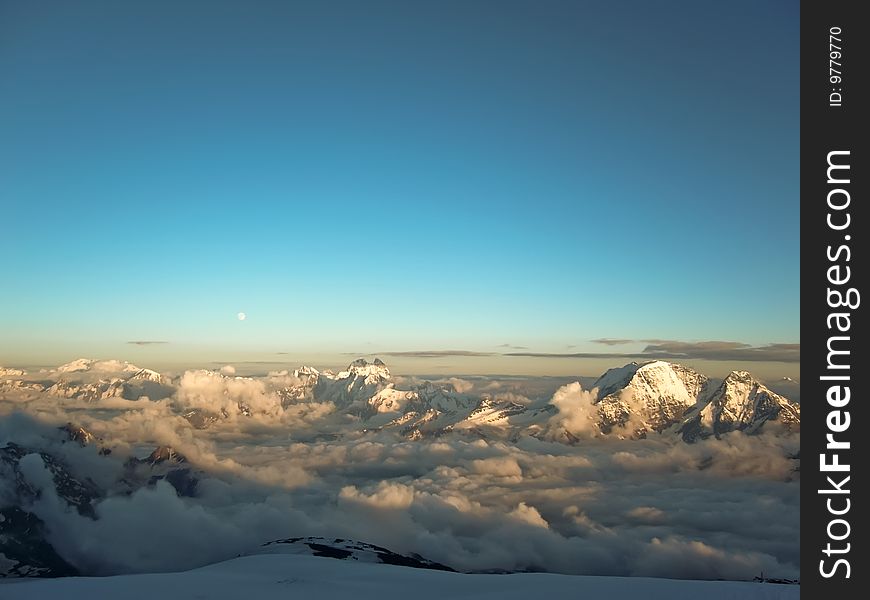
634,400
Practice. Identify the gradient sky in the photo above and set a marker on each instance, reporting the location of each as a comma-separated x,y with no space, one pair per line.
372,176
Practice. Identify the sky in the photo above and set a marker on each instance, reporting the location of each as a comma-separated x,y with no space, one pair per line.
396,177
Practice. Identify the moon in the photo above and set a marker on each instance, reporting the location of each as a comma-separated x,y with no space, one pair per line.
242,316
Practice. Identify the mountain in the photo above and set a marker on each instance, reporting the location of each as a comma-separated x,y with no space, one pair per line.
88,391
94,365
740,403
352,388
651,396
634,400
25,546
508,419
25,550
164,463
78,434
348,550
92,380
147,375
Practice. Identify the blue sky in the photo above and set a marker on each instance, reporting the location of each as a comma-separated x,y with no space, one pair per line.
396,175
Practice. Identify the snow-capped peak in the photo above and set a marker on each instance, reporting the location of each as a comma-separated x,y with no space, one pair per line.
80,364
304,371
370,371
615,379
654,395
90,364
147,375
743,403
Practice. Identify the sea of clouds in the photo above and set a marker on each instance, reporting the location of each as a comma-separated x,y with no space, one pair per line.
726,508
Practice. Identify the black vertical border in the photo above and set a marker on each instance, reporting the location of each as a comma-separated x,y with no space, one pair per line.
826,128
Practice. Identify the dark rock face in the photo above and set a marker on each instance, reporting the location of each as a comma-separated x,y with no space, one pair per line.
163,454
80,493
183,480
77,434
342,549
25,551
163,464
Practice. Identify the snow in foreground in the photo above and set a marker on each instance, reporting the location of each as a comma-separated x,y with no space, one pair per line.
296,576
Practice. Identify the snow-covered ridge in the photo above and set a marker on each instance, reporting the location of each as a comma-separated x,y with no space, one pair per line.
343,549
279,576
90,364
651,396
635,400
740,403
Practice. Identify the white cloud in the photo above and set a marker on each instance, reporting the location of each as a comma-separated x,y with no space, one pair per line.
577,414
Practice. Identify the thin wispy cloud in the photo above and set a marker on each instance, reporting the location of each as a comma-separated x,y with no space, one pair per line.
675,350
437,353
611,342
655,350
147,342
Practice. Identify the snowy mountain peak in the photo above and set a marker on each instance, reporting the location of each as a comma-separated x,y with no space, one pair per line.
362,368
741,403
77,434
163,454
741,375
351,550
80,364
305,370
7,372
652,396
147,375
91,364
615,379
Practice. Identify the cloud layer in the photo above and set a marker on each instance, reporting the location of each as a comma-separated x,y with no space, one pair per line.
675,350
716,509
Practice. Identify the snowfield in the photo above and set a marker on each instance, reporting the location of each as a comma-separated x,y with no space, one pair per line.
283,576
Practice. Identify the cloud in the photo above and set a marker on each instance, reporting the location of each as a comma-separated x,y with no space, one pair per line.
647,514
717,350
675,350
387,496
656,349
462,386
498,467
697,557
577,413
436,353
530,515
146,342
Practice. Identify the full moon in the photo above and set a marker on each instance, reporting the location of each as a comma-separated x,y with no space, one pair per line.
242,316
